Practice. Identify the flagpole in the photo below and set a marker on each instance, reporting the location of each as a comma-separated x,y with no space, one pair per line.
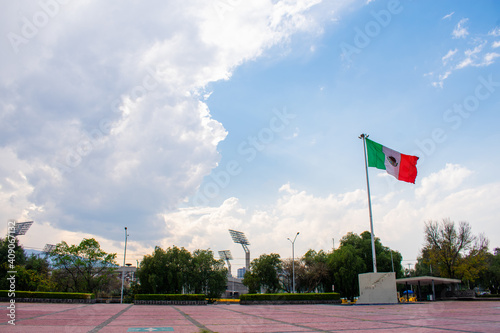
374,257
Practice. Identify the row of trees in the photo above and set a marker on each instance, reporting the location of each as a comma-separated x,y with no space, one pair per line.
449,251
68,268
87,268
323,271
176,271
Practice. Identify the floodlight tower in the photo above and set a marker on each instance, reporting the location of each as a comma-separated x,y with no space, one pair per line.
226,255
48,248
20,228
240,238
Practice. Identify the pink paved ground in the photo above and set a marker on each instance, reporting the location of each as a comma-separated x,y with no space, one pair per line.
110,318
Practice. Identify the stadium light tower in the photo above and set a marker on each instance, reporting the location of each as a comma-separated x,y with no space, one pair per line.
20,228
226,255
240,238
48,248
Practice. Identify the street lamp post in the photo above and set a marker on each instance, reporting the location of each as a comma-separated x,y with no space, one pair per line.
123,268
293,261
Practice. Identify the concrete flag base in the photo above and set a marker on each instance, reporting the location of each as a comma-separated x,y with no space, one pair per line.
377,288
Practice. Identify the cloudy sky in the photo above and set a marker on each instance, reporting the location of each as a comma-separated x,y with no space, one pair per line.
182,119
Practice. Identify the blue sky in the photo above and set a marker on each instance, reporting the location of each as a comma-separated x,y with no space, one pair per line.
181,120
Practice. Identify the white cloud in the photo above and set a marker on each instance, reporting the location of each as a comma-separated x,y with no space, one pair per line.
447,16
449,56
495,32
495,44
450,178
460,31
489,58
104,110
477,56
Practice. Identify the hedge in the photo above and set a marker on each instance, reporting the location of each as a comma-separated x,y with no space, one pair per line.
489,296
291,297
46,295
169,297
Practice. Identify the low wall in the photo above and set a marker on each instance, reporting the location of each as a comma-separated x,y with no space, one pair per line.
48,300
166,302
286,302
458,294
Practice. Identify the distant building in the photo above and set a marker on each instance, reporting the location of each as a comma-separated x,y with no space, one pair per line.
235,288
241,273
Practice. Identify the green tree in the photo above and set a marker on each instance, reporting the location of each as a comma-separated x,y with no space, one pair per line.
452,252
346,264
176,271
252,282
490,278
34,275
208,275
82,268
312,272
265,272
287,274
363,246
11,256
354,257
165,272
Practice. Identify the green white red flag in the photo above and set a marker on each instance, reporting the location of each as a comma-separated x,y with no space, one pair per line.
401,166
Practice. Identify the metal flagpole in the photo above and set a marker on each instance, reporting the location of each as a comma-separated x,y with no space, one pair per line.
364,137
123,272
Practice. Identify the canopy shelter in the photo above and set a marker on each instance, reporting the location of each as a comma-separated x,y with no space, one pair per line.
427,280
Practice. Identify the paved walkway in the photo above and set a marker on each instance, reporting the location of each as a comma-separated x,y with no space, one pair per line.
108,318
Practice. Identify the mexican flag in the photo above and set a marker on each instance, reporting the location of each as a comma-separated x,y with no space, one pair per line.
401,166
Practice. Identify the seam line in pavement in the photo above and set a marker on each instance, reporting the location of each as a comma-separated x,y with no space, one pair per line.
49,314
277,321
104,324
192,320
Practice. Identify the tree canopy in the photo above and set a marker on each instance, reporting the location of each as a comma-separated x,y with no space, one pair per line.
176,271
84,267
453,252
265,272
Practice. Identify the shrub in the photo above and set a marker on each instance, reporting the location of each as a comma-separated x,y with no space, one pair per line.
169,297
51,295
290,297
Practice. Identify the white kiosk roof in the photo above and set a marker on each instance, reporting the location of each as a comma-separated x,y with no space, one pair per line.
426,280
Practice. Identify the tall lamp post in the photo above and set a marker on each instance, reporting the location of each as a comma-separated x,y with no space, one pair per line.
123,268
293,261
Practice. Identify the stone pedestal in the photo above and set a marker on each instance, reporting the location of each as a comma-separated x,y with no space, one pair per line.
377,288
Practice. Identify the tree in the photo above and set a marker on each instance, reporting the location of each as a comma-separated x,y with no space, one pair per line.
34,275
490,278
177,271
363,246
11,255
82,268
312,272
346,264
252,282
208,275
165,272
264,272
354,257
454,253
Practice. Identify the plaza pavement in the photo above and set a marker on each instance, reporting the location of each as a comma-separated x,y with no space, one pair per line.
451,316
